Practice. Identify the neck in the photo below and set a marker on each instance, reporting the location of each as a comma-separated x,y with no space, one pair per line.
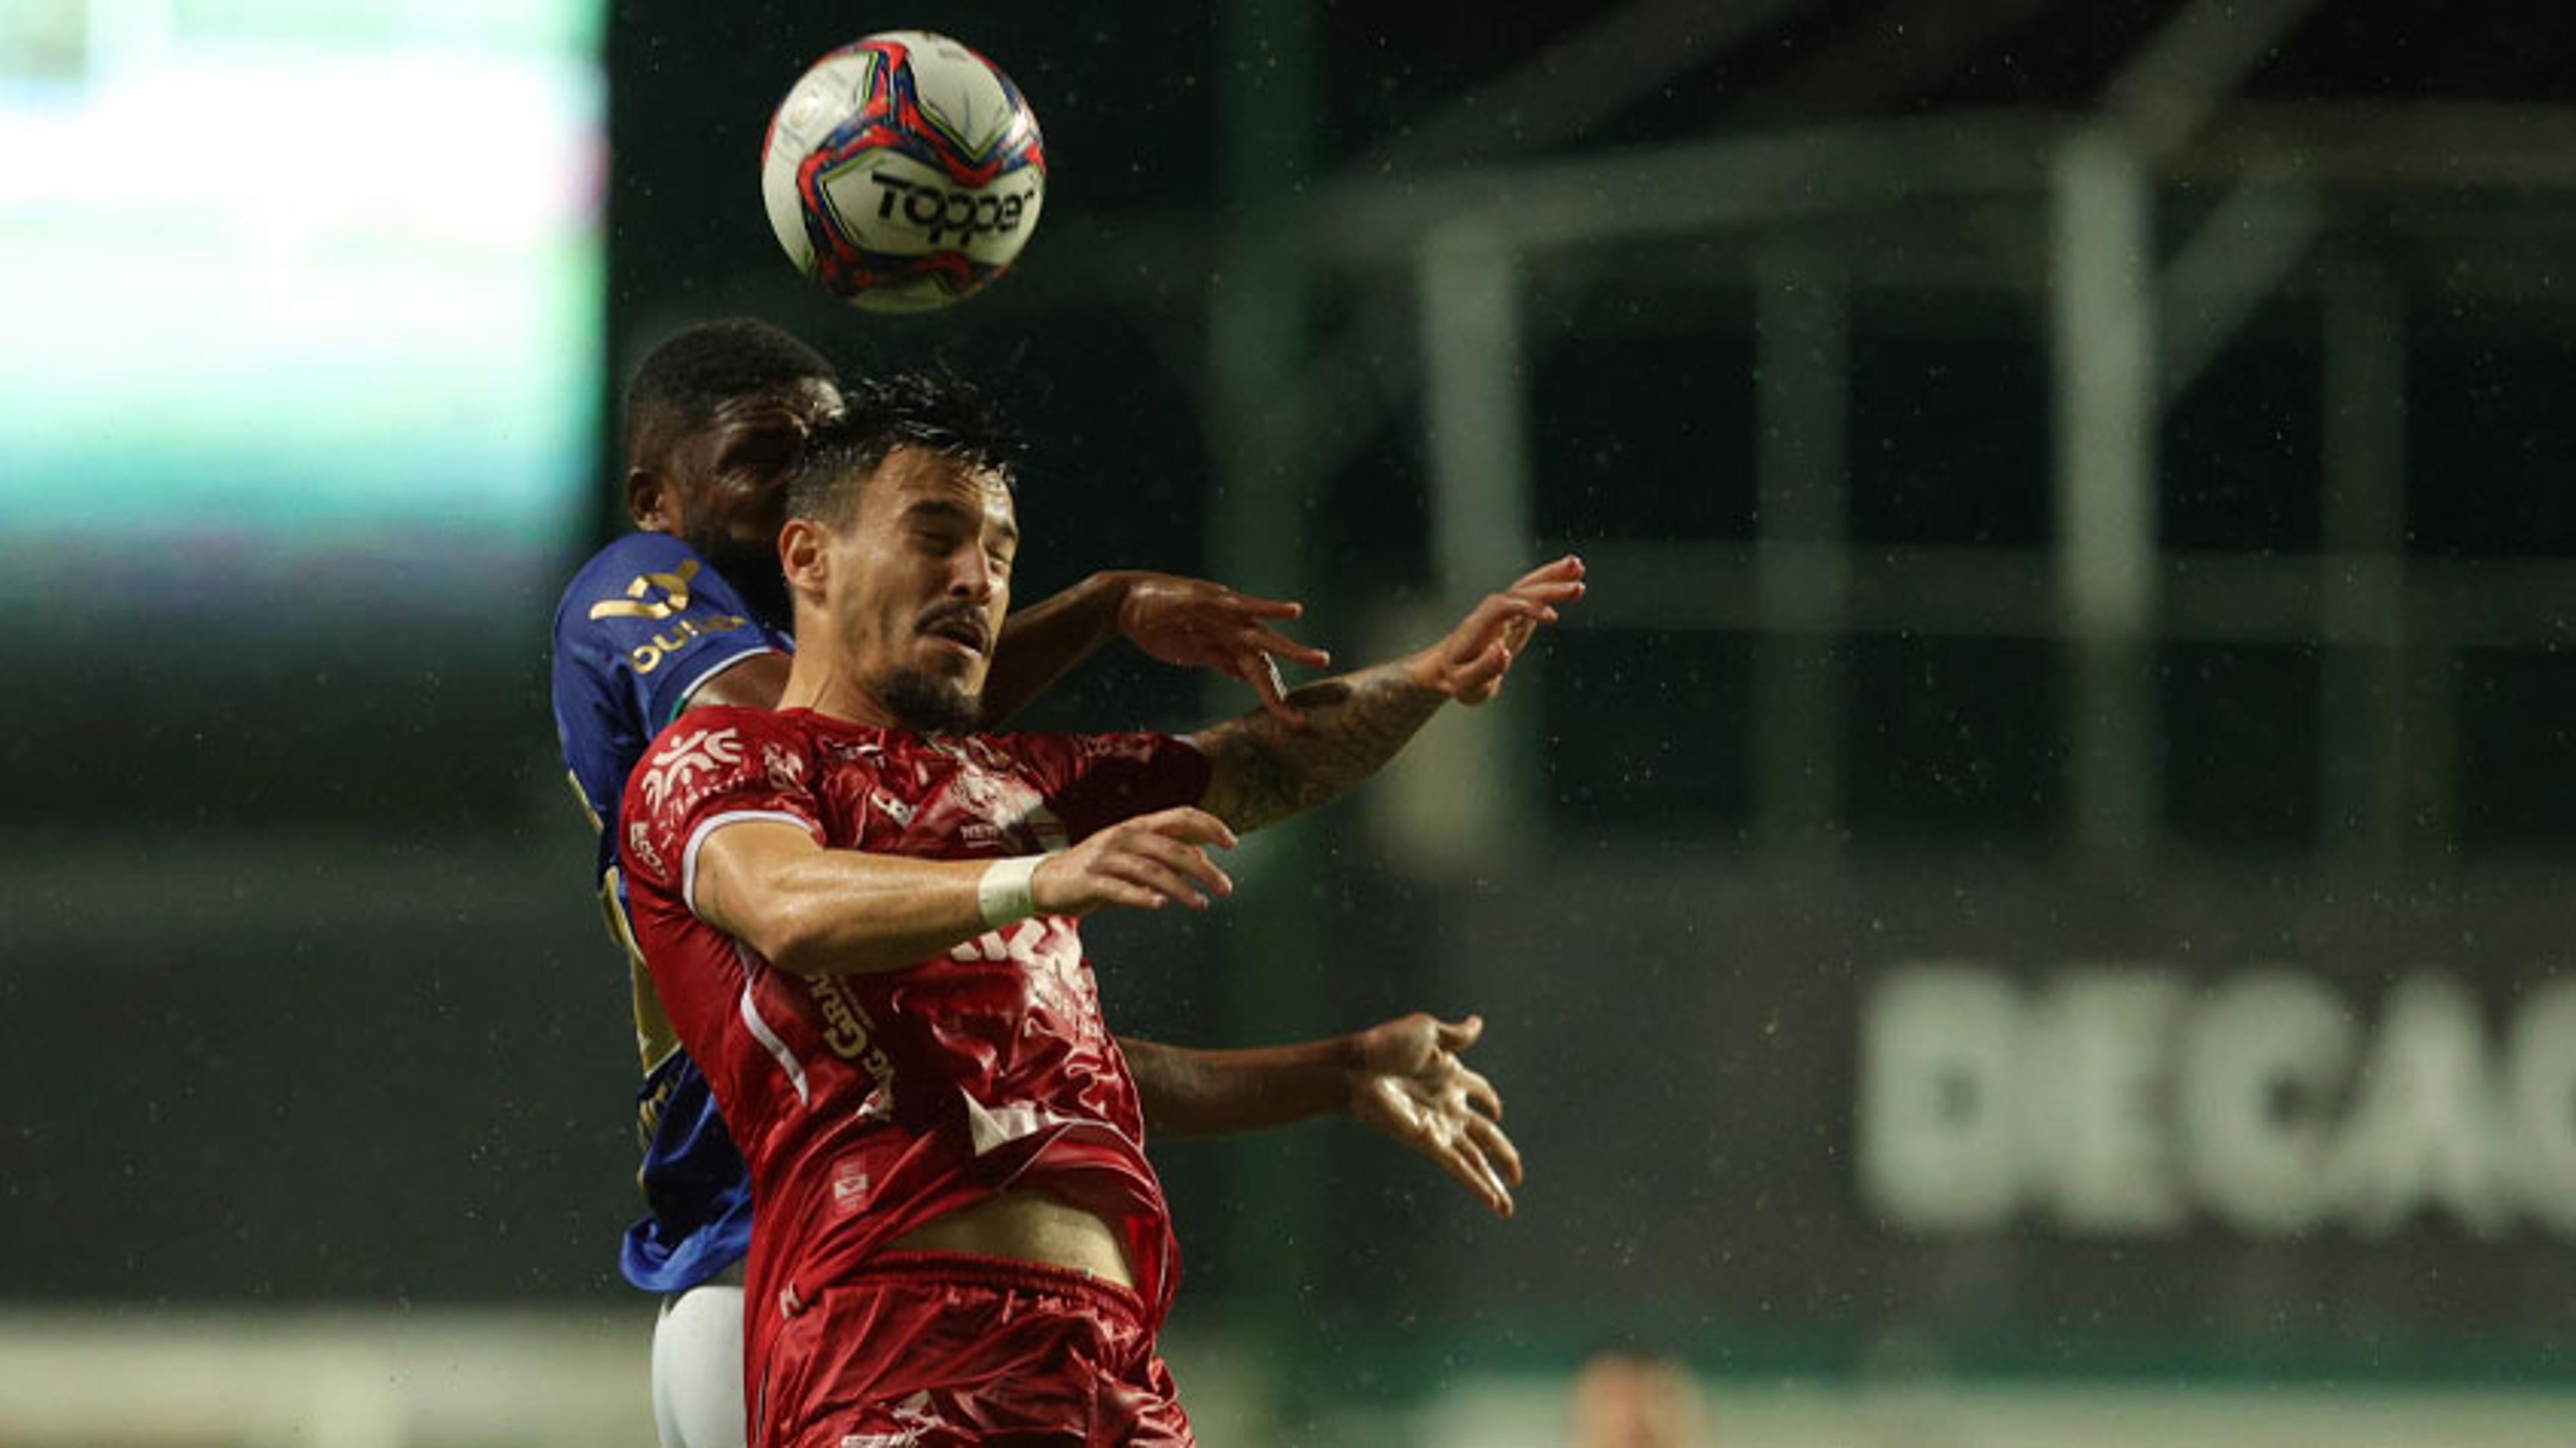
813,683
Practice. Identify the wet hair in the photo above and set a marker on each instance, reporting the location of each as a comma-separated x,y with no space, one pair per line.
685,378
935,411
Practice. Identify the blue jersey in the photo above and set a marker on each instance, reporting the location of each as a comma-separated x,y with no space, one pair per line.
641,626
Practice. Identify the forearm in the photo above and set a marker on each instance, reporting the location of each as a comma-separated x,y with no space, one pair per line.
1263,769
818,912
1204,1093
1040,642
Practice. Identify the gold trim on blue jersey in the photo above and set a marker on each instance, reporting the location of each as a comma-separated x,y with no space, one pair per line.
655,1040
588,812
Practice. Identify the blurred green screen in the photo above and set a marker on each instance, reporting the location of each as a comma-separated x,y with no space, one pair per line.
297,292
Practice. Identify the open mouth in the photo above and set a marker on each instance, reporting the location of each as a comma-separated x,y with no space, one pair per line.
966,631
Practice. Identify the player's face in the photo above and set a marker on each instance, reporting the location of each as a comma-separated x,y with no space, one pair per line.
922,584
723,488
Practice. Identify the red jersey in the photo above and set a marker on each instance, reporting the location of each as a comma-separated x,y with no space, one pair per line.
868,1104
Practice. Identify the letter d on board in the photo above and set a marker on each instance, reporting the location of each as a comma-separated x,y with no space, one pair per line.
1938,1125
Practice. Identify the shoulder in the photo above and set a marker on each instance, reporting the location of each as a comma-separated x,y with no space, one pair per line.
624,570
649,607
1117,773
787,747
723,733
631,587
716,759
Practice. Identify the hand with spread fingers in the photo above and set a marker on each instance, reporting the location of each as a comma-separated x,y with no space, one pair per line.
1468,666
1201,625
1143,863
1407,1081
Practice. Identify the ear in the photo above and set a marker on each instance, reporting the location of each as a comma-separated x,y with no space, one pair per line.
648,502
805,555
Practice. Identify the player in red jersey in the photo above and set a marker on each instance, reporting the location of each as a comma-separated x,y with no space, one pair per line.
678,615
848,907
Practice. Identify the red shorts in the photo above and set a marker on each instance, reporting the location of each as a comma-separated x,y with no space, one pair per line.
930,1349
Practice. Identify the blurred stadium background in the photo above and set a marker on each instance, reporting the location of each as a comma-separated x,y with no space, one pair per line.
2030,907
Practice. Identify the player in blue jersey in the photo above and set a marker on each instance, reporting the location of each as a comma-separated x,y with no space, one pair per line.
681,613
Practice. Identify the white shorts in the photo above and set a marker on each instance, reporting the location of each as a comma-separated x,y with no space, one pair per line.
697,1369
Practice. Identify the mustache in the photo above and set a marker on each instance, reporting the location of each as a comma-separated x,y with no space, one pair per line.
957,611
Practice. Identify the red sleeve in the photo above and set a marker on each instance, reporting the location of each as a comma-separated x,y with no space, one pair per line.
710,768
1092,781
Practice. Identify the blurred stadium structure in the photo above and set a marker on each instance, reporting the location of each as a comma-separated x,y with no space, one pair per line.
2029,907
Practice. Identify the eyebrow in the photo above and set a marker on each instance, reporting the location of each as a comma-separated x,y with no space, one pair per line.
956,512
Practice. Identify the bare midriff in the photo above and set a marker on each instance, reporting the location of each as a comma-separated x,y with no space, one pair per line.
1031,1226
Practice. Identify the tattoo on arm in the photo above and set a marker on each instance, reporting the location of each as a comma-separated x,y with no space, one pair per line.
1265,770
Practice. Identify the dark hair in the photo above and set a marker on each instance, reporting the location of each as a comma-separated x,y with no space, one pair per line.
936,411
688,375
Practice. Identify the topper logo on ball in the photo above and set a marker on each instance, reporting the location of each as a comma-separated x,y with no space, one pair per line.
961,214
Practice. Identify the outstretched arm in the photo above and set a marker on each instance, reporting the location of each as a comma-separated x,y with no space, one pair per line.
814,911
1182,621
1265,768
1402,1078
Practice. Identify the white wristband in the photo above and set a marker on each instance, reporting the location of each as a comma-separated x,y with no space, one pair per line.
1003,894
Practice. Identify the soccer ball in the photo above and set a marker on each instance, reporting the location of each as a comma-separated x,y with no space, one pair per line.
903,172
